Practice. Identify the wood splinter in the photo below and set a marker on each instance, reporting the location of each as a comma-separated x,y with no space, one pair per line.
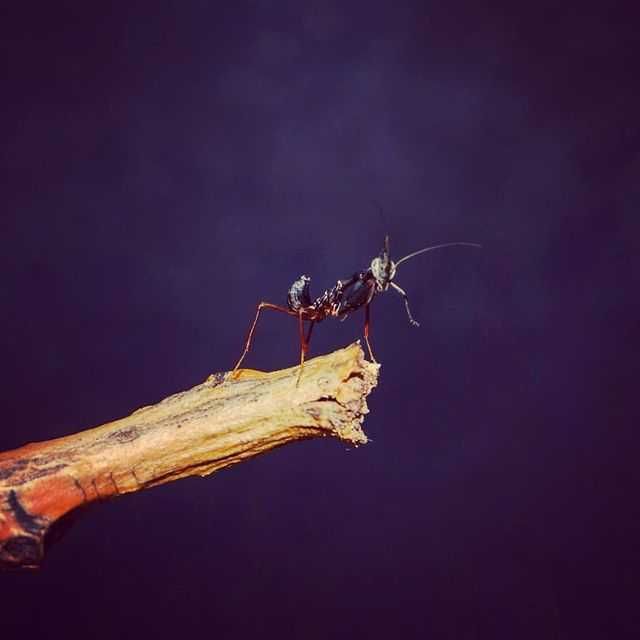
214,425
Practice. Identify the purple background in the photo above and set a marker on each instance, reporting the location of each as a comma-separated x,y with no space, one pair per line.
165,166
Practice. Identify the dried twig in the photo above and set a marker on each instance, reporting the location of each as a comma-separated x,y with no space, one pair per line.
214,425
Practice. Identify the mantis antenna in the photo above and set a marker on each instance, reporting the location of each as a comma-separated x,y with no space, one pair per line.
438,246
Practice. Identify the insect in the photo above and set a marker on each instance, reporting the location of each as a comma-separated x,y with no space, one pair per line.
345,297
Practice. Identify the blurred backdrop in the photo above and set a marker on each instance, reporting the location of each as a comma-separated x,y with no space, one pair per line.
165,166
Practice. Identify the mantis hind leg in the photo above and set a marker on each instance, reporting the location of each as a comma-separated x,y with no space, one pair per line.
247,346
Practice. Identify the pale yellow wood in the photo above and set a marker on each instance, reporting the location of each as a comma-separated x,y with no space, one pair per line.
196,432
